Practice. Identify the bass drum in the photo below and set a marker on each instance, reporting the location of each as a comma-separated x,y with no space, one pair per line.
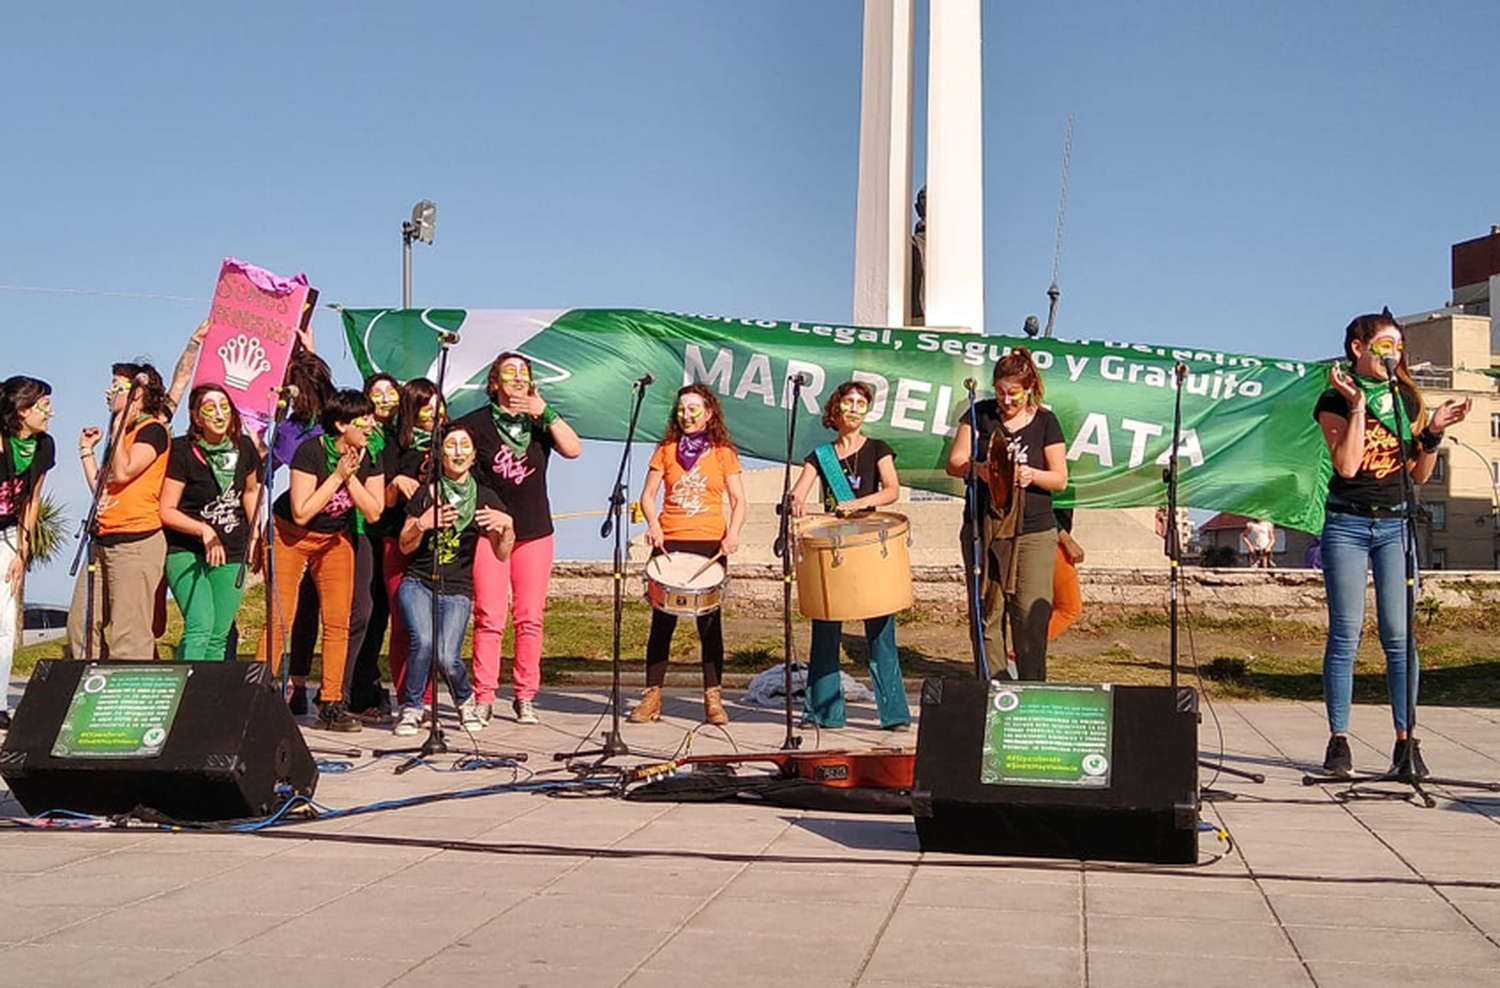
853,568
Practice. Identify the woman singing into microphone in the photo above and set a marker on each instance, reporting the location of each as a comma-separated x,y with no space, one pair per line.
1365,518
1020,538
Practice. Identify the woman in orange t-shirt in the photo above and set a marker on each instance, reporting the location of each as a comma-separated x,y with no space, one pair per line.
698,465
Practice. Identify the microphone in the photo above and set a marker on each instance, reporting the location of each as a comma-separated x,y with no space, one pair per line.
285,394
447,337
801,379
1389,360
1180,370
970,384
644,381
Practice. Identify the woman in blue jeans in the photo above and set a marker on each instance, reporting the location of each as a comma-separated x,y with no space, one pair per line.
857,474
451,520
1370,442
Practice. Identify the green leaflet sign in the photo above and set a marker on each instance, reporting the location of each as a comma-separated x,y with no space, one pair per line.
1250,444
121,712
1048,734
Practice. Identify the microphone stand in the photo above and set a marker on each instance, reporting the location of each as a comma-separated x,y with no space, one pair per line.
975,511
1404,771
614,523
88,532
265,521
783,548
1174,573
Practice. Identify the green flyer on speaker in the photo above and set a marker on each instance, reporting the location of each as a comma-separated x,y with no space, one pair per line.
121,712
1048,734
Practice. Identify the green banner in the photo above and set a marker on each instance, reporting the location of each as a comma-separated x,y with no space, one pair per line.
121,712
1048,734
1250,444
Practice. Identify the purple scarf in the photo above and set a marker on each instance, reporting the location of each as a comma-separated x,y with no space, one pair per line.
690,447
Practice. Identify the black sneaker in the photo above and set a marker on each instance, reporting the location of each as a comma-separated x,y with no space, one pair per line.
1398,759
1337,760
298,701
334,716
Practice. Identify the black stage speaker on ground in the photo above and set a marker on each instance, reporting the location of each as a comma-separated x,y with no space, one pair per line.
1147,812
191,740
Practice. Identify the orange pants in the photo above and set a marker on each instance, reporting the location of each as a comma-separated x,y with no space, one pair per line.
1067,599
330,556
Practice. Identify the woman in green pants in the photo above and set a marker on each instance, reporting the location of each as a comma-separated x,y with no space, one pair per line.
206,500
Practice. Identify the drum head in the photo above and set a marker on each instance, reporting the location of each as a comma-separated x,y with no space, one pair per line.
676,569
850,529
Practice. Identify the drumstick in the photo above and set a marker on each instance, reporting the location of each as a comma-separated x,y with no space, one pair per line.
704,568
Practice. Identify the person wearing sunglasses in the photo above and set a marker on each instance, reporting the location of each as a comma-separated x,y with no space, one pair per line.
332,476
857,474
27,452
1370,441
129,548
1019,541
207,498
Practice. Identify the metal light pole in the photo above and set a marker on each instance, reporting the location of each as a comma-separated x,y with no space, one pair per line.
419,227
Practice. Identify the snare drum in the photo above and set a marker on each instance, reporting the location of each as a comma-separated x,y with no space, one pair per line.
672,587
853,568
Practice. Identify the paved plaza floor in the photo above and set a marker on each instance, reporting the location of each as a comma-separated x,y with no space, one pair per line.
527,888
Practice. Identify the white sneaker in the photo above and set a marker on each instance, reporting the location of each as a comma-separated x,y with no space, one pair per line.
468,717
409,723
525,712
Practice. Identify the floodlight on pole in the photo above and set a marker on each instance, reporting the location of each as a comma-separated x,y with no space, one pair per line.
420,227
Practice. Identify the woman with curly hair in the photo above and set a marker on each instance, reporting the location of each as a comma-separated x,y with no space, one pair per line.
696,465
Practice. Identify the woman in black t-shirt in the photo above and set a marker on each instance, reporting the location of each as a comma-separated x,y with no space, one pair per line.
515,435
207,496
1365,518
26,454
858,474
442,536
1020,537
332,476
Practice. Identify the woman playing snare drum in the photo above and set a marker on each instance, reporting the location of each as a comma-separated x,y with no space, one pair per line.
857,474
698,464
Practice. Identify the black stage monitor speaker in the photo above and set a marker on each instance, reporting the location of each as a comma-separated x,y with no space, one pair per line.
191,740
1128,793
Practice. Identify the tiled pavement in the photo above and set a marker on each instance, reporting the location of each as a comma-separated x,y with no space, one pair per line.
527,889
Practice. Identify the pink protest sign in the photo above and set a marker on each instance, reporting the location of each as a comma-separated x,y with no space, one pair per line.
252,328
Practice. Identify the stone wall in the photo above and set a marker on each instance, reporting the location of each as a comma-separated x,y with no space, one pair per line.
1294,594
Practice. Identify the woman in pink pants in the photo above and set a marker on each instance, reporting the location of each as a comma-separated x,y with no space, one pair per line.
514,437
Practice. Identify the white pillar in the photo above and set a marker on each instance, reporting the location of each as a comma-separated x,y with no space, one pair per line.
882,227
955,167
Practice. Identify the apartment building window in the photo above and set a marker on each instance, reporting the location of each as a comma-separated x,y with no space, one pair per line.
1439,469
1495,425
1439,559
1495,471
1439,511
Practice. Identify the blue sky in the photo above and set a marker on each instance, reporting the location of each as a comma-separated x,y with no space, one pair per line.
1244,177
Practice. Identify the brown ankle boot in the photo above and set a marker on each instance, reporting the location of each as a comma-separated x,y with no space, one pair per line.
713,705
649,709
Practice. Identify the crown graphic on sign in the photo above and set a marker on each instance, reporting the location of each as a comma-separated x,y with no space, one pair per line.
244,360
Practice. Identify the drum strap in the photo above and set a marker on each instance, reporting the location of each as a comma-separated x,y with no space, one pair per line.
833,473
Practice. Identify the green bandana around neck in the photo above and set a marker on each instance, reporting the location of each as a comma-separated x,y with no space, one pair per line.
331,451
1378,402
421,438
222,459
378,439
515,430
462,494
22,452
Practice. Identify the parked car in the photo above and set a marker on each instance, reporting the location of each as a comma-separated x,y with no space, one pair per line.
43,622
